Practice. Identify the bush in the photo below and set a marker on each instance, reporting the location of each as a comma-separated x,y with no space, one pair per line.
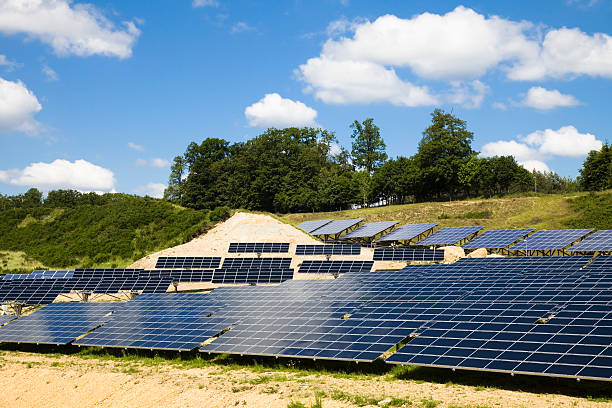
220,214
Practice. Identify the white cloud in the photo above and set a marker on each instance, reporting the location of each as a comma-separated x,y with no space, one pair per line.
135,146
499,105
155,162
347,81
79,175
155,190
544,99
537,146
241,27
70,29
457,47
5,62
205,3
275,111
18,105
566,141
50,73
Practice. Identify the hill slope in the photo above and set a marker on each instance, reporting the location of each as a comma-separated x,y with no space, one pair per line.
580,210
112,234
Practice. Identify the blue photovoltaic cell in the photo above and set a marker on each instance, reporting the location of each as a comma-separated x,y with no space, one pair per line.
335,267
6,318
57,323
258,247
311,226
598,241
550,239
449,235
336,227
407,232
165,322
408,254
188,262
370,229
497,238
331,249
60,274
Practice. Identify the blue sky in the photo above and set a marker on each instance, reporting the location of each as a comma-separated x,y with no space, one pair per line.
101,96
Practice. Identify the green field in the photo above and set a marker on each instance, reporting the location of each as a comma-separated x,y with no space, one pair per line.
546,211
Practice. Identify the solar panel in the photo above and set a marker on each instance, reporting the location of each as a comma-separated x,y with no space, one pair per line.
4,319
258,247
165,322
369,230
550,239
40,274
407,232
328,249
598,241
57,323
408,254
494,239
187,275
449,235
31,291
336,227
188,262
256,263
310,226
335,267
253,276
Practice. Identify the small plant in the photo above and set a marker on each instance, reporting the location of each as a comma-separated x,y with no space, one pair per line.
430,403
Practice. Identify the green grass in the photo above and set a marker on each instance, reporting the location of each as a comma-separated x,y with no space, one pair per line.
542,211
18,262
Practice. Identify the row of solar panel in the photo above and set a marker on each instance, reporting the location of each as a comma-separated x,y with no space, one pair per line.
547,316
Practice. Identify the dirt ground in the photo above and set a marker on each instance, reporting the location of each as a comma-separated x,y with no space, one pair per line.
45,380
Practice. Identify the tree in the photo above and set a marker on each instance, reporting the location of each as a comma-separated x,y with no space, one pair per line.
368,146
177,172
446,146
596,172
32,198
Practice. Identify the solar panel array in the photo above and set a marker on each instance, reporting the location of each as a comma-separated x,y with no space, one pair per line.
253,271
550,239
310,226
495,239
449,235
598,241
336,227
408,254
258,247
175,322
188,275
535,315
328,249
407,232
188,262
58,323
369,230
52,274
335,267
6,318
31,291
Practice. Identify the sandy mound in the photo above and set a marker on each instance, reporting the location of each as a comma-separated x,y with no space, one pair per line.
247,227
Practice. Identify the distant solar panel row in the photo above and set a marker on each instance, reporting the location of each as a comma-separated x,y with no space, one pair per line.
328,250
258,247
407,232
449,235
255,276
408,254
336,227
310,226
188,262
335,267
550,239
494,239
256,263
370,230
598,241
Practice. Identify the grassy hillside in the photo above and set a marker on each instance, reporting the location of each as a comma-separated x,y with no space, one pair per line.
112,234
551,211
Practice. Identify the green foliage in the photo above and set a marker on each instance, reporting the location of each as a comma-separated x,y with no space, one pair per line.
118,228
220,214
597,169
368,146
595,211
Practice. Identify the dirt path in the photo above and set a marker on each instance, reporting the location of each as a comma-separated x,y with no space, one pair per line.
40,380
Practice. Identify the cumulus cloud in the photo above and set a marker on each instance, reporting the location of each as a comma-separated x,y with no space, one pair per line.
18,105
135,146
533,149
275,111
155,162
458,48
205,3
347,81
566,141
155,190
70,29
544,99
79,175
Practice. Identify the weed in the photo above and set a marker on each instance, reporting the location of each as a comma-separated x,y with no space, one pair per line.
430,403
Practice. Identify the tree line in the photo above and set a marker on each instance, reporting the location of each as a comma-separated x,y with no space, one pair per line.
303,169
